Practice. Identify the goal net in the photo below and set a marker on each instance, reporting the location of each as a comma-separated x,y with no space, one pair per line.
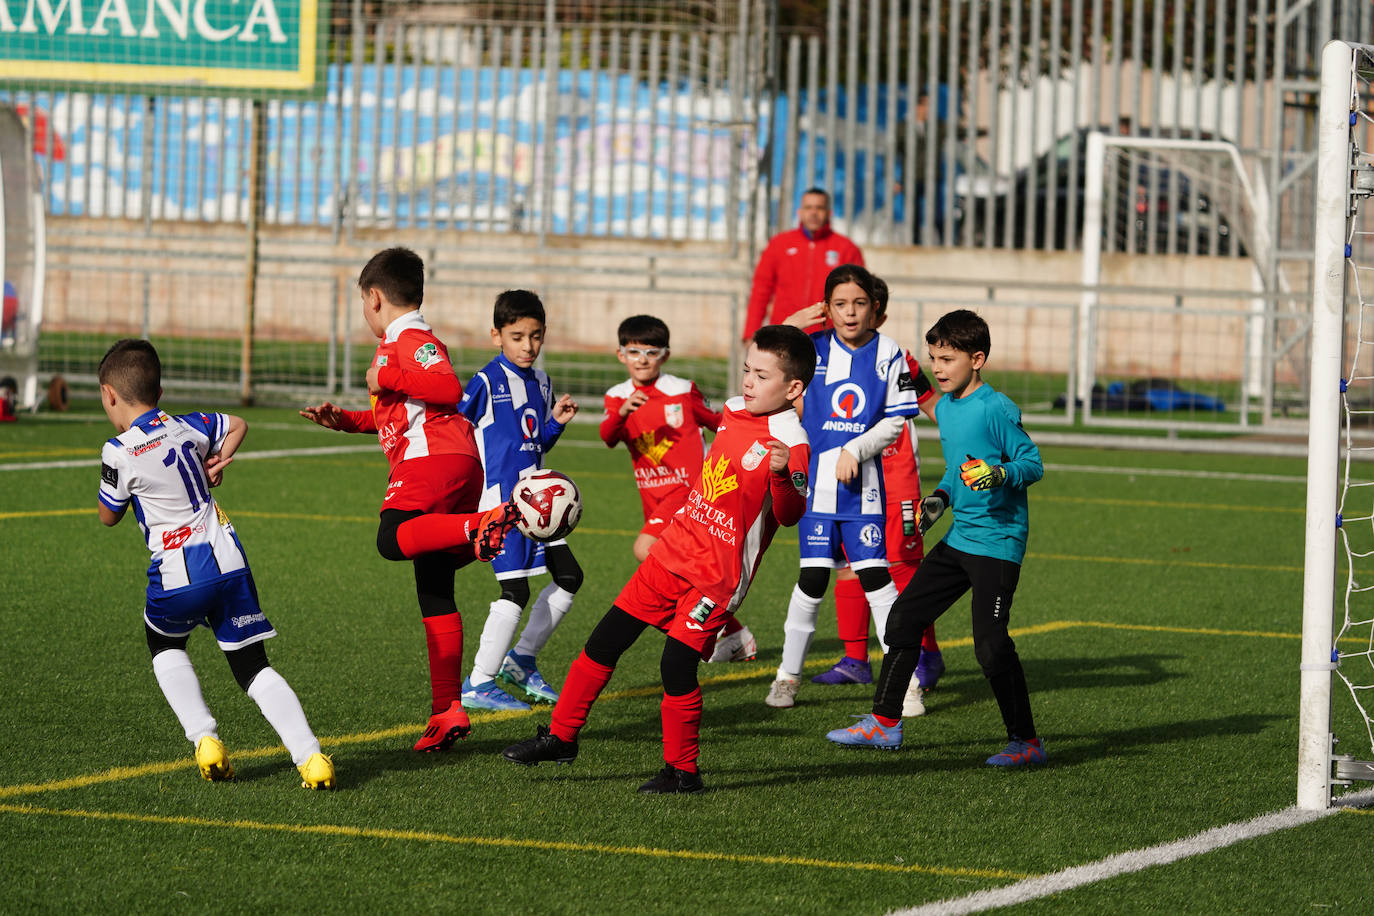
1176,196
1338,617
21,259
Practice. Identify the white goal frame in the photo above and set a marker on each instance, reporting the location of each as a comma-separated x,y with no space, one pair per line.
1336,169
1261,249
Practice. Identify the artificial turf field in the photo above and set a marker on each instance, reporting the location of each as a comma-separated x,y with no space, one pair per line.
1157,618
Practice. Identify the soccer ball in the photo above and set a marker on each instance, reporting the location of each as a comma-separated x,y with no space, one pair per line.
549,505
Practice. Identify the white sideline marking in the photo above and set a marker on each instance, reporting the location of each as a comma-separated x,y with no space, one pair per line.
1135,860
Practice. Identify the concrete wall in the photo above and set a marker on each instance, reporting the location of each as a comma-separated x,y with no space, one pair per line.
107,275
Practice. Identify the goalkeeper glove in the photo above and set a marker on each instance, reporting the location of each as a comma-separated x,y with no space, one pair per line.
977,474
932,507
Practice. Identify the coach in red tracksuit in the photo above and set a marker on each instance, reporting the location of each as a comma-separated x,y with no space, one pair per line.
792,269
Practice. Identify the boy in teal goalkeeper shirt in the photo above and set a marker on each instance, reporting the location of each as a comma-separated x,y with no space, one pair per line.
989,463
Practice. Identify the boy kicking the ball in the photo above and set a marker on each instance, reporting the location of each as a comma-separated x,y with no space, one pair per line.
429,514
989,463
697,573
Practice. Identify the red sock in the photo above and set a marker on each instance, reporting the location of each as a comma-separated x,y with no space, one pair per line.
436,531
885,722
582,686
731,626
928,642
681,728
851,618
444,639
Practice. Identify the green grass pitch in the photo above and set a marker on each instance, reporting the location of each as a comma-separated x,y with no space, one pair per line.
1157,618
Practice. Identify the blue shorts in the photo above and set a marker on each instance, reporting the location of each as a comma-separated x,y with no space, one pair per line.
228,606
834,542
521,557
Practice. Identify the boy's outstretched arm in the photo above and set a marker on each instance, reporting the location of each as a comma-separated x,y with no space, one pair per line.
332,417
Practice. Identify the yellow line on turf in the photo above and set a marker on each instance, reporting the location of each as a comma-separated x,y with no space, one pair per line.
1145,561
49,513
1161,504
425,836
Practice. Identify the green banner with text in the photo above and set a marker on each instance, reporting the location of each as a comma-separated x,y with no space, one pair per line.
182,46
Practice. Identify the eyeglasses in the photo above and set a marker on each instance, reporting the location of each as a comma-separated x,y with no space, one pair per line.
649,353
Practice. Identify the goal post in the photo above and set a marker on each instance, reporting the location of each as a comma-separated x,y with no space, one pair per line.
1334,520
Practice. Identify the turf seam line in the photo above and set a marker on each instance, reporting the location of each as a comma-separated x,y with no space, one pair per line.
1134,860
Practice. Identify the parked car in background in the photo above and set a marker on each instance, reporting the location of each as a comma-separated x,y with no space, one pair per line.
1043,206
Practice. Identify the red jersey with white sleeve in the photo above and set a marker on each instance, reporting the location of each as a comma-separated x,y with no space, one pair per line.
416,414
902,480
735,505
663,436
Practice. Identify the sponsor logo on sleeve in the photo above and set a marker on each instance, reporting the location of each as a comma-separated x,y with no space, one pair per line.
905,382
109,475
381,360
428,355
799,482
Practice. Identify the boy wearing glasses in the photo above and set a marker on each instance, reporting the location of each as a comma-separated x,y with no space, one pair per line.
660,417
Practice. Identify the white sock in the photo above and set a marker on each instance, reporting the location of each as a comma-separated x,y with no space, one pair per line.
880,603
497,633
177,678
553,602
797,632
282,710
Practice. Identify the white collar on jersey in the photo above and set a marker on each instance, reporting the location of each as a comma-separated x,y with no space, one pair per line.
411,319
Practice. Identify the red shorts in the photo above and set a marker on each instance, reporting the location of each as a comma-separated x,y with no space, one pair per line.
657,516
903,547
435,483
669,602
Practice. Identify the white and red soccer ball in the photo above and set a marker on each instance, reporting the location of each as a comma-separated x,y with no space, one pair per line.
549,505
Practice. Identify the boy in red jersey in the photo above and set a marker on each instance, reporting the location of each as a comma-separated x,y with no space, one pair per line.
905,546
429,514
696,575
659,417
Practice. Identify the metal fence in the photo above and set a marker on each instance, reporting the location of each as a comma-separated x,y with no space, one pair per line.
948,124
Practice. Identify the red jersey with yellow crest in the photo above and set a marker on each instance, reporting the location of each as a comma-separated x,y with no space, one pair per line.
735,505
663,435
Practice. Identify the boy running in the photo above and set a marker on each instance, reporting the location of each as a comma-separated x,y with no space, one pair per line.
165,466
989,463
429,514
517,420
660,417
696,575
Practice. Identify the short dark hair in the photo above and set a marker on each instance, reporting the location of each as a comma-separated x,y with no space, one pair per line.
961,330
821,191
514,304
398,274
795,352
880,294
645,329
132,368
850,273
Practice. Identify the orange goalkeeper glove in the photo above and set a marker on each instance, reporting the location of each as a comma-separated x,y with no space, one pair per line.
977,474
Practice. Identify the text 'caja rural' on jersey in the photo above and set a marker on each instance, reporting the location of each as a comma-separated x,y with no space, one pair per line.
663,435
736,504
158,465
512,410
853,390
416,414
